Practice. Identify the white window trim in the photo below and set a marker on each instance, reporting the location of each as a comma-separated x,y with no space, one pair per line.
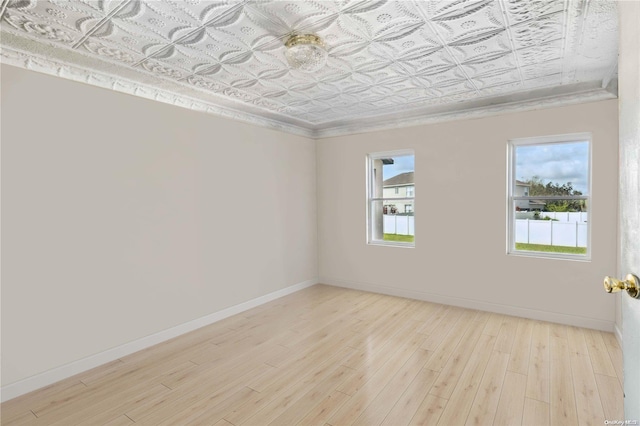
370,185
511,199
411,189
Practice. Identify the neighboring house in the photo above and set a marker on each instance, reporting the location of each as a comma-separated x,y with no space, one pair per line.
399,186
522,190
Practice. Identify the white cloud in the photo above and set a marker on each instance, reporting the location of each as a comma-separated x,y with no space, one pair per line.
559,163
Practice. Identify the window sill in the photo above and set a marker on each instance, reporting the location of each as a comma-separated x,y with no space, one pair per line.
391,244
543,255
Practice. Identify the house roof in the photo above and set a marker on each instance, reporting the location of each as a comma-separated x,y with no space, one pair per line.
398,180
521,183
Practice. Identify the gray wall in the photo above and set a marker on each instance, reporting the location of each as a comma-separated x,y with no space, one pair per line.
122,217
462,164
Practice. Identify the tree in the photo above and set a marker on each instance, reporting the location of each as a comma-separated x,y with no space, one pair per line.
539,188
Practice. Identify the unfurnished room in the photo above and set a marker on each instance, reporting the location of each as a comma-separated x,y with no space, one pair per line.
314,212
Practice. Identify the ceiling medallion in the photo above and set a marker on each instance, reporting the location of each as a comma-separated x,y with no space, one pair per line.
306,52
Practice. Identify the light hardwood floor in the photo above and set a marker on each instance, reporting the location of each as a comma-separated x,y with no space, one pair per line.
334,356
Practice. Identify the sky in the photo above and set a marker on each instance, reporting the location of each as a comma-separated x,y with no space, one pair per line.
559,163
405,163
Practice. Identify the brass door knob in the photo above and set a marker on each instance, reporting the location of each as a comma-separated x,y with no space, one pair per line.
631,283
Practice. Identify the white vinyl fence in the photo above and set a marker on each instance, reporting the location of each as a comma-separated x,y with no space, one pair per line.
549,232
569,229
402,225
559,216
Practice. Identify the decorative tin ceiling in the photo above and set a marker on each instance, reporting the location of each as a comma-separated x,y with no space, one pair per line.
390,62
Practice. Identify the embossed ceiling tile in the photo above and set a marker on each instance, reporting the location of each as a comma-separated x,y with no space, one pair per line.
346,38
188,60
386,75
384,22
547,29
223,77
602,18
473,54
269,104
162,70
493,60
594,73
255,67
534,71
443,10
481,69
437,63
414,94
155,20
239,95
146,42
373,69
584,47
284,17
307,94
420,57
79,8
474,47
125,41
316,16
526,10
446,87
35,29
475,28
540,81
540,54
385,56
424,83
217,45
495,77
478,25
261,91
204,84
499,88
250,31
110,52
477,56
361,92
62,14
424,37
192,10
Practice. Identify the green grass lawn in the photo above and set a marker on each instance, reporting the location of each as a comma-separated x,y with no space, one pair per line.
396,237
550,249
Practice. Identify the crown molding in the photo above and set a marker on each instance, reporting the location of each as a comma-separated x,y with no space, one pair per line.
540,99
29,60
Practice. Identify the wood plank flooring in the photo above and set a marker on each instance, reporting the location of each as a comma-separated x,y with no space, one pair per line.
332,356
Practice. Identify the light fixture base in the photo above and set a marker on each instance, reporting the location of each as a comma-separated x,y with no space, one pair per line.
306,52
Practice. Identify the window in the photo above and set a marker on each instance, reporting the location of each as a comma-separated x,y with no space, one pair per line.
409,191
549,196
390,218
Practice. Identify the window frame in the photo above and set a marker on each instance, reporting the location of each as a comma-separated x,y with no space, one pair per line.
512,199
411,189
370,199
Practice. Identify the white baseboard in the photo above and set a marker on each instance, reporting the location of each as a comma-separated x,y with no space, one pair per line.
48,377
555,317
618,333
